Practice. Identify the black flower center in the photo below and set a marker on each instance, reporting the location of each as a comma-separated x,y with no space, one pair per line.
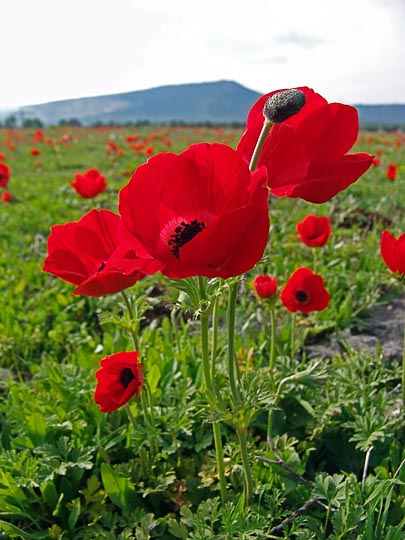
125,377
301,296
183,233
101,267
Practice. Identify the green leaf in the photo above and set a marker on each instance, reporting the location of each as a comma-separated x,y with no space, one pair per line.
118,488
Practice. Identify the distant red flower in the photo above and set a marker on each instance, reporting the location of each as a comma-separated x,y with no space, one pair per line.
377,161
87,254
2,156
111,147
305,292
4,175
6,197
35,152
201,212
265,286
89,184
314,231
149,150
393,252
392,171
306,154
119,378
38,137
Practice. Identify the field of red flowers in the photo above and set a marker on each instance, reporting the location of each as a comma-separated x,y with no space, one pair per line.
164,291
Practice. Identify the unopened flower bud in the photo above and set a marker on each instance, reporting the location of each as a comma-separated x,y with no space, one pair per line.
284,104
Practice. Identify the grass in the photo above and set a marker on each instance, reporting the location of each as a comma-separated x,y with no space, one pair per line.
333,466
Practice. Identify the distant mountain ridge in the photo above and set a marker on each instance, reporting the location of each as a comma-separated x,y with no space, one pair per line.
219,102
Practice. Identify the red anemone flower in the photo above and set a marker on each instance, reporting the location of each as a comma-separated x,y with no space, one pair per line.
4,175
89,184
119,378
306,154
305,292
393,251
392,171
200,213
265,286
87,254
314,231
6,197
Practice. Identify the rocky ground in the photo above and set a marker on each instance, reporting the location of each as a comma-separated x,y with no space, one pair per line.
384,330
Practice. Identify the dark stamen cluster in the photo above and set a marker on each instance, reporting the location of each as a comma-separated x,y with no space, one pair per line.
183,233
101,267
301,296
125,377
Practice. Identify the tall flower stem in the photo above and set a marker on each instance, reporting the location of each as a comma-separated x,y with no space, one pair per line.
145,397
259,144
219,452
273,340
246,466
292,336
233,367
403,377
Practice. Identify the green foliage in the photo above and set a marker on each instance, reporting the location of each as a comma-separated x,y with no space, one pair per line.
325,433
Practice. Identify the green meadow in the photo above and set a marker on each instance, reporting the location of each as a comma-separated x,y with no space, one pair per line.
331,465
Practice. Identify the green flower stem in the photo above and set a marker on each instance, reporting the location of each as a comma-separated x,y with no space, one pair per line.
134,334
233,368
403,376
246,467
145,398
260,142
292,336
273,340
131,416
204,318
214,339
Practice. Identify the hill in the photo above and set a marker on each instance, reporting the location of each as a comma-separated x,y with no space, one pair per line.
216,102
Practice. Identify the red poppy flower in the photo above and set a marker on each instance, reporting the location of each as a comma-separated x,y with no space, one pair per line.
306,154
265,286
119,378
305,292
314,231
89,184
201,213
377,161
87,254
4,175
6,197
35,152
392,171
393,251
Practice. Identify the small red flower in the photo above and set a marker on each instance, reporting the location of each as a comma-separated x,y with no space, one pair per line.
306,154
265,286
6,197
305,292
87,254
119,378
4,175
392,171
35,152
314,231
89,184
200,213
393,251
377,161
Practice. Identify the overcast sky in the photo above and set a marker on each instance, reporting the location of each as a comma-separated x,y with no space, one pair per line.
351,51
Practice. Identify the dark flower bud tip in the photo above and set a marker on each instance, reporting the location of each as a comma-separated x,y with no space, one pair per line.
284,104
